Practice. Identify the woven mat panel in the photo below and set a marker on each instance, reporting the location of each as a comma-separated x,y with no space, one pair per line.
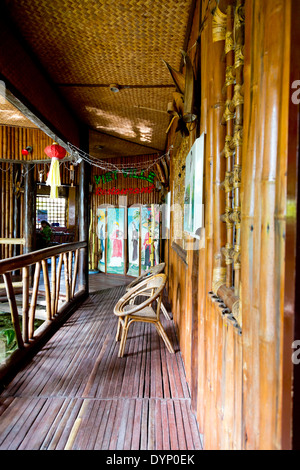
11,116
137,115
114,147
100,42
104,41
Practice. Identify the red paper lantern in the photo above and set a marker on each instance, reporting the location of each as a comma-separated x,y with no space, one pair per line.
27,150
55,151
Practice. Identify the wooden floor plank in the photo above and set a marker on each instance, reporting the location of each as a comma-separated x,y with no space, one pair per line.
136,431
76,393
103,442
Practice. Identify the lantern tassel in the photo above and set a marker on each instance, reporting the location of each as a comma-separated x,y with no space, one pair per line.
53,179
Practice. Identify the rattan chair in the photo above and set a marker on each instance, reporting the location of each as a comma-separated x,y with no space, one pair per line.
149,273
128,313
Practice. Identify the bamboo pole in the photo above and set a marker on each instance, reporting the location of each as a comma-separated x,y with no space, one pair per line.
208,427
7,193
25,317
70,259
250,226
47,288
13,309
238,388
53,286
36,281
275,129
2,202
58,277
238,100
67,279
229,119
11,207
75,273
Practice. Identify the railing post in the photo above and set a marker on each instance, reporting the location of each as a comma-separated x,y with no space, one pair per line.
84,179
29,208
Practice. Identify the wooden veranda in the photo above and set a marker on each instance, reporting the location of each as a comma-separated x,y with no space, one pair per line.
76,393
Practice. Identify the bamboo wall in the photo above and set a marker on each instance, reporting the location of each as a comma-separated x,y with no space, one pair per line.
234,357
13,166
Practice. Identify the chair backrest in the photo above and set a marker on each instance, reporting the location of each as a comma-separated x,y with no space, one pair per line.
155,283
149,273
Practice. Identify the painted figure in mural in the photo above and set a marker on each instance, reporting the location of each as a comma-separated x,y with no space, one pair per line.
117,237
101,236
147,245
134,237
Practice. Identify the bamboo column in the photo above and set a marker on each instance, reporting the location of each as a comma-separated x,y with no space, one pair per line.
25,309
34,298
84,178
228,117
238,101
29,208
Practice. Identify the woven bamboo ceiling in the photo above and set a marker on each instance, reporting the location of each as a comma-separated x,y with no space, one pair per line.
85,46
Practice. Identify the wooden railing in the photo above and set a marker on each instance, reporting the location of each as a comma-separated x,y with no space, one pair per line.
32,265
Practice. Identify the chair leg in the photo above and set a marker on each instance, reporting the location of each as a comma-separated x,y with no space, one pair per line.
118,335
164,336
123,338
164,311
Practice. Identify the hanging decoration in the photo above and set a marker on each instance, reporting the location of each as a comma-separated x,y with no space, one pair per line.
27,150
78,155
56,153
219,23
72,174
41,176
182,106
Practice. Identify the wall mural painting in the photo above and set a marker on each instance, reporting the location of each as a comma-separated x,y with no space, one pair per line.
193,196
101,236
150,236
134,214
115,255
140,226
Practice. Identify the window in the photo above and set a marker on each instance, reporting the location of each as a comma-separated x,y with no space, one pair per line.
52,210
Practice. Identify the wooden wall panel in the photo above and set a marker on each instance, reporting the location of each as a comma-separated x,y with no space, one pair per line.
263,219
238,390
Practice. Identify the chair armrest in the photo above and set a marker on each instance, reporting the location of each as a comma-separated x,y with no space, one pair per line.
119,307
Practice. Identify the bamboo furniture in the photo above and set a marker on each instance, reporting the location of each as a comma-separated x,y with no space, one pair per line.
128,313
159,268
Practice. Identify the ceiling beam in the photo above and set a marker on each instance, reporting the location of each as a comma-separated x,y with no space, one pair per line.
125,140
106,85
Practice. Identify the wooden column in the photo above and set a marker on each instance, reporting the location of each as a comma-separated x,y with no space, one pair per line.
290,426
229,116
16,213
29,208
83,204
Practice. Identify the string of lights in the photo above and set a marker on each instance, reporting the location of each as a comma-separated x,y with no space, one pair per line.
80,155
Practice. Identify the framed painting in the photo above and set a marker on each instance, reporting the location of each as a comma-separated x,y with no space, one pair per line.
133,241
193,194
101,229
116,229
150,236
